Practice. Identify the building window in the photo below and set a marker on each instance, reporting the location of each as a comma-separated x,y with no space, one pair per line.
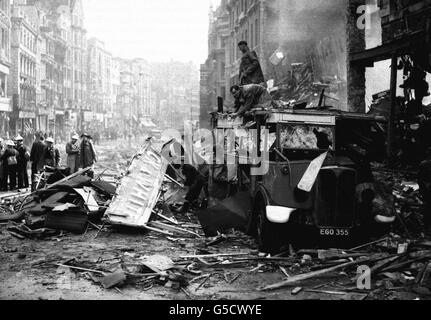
251,36
4,42
4,5
257,33
2,85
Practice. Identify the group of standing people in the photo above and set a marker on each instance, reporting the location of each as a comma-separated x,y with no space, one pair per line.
81,155
251,90
15,157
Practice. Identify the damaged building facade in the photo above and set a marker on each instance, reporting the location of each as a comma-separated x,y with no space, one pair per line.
295,41
395,70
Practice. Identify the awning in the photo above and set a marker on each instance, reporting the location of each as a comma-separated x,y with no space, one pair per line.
26,115
5,105
4,69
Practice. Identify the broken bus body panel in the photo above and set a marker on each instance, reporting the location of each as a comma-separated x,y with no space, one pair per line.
139,191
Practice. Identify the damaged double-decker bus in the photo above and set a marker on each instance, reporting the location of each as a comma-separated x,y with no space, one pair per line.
308,176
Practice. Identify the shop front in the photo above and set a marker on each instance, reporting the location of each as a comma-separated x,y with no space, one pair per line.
71,118
25,125
5,109
87,120
5,103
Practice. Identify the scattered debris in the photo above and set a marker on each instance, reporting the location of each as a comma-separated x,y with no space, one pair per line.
296,291
113,279
204,247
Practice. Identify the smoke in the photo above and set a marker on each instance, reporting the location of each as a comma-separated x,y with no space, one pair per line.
315,32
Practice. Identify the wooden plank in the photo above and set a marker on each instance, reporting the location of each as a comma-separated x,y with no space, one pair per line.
216,255
172,228
391,124
309,275
368,244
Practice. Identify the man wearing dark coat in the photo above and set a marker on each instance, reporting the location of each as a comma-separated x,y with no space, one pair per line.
9,163
23,158
37,157
72,151
196,177
249,97
88,155
250,71
51,154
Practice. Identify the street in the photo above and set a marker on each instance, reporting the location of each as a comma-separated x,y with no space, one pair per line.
227,267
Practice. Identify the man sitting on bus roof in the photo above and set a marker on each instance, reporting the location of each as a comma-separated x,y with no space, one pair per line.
249,97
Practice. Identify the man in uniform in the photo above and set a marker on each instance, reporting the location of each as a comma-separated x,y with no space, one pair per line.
23,158
249,97
88,155
73,150
250,71
9,163
52,155
37,157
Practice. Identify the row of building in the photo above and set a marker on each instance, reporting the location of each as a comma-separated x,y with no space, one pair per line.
43,64
53,78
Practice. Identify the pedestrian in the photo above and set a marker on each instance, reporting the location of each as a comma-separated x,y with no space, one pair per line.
250,71
51,154
249,97
37,157
9,163
23,158
88,155
196,176
73,150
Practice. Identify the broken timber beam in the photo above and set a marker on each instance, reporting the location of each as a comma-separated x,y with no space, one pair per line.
215,255
309,275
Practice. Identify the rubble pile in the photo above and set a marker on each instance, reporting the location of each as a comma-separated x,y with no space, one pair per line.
391,263
301,89
409,205
396,267
68,205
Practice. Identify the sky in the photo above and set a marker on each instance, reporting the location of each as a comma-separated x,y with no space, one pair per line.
156,30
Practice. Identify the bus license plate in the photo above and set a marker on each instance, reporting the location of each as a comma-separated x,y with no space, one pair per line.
334,232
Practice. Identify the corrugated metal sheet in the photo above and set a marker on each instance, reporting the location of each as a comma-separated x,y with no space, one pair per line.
139,189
